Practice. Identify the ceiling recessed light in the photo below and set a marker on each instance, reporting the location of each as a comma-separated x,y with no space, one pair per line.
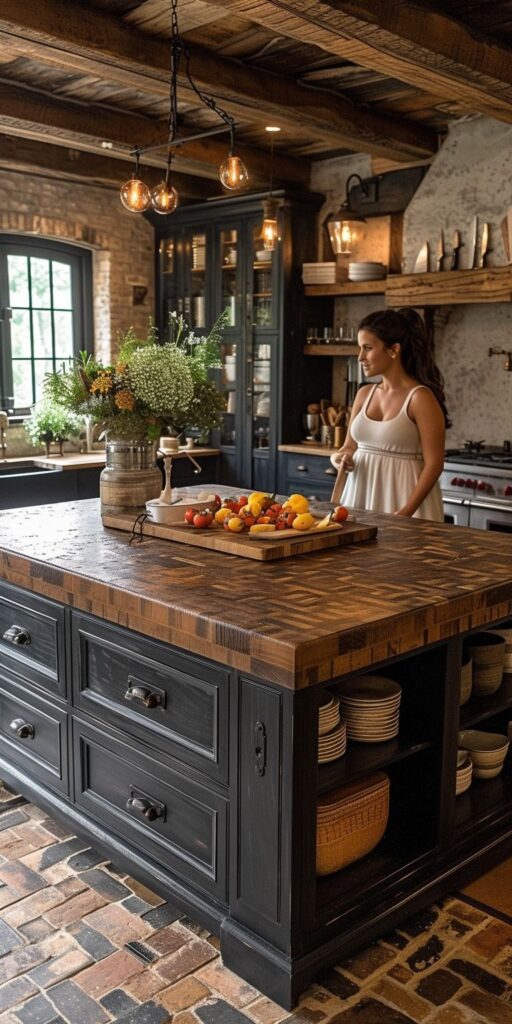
271,128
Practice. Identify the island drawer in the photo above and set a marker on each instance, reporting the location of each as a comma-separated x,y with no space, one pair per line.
32,638
171,819
33,735
306,468
175,703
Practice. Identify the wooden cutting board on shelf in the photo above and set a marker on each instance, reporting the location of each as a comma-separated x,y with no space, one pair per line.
218,539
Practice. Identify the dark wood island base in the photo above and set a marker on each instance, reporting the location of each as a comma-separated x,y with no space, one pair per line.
163,701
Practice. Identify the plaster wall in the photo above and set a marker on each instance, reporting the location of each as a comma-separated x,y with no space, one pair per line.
470,175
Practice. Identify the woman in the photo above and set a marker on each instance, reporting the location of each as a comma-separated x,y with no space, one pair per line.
394,449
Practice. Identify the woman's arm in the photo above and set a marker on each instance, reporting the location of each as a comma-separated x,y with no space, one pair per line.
345,453
426,412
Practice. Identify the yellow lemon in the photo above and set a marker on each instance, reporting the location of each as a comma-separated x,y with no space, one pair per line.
261,528
304,521
298,503
235,524
255,508
258,496
221,514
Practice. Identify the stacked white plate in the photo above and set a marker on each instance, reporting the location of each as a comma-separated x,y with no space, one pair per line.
332,732
366,271
370,706
464,772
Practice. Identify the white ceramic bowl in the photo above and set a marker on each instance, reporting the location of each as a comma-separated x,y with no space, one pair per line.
160,513
264,256
484,748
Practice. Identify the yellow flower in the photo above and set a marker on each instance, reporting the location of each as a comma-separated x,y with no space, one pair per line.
121,368
102,384
125,400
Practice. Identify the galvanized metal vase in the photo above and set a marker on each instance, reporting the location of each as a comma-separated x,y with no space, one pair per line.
131,476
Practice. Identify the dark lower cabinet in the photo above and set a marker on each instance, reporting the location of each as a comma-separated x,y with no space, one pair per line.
204,783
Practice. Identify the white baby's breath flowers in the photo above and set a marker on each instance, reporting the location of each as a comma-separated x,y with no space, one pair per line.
161,380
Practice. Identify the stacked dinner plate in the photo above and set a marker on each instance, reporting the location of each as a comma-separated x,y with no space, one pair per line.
464,772
366,271
332,732
370,706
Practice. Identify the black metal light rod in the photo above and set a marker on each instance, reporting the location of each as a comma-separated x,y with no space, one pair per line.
140,150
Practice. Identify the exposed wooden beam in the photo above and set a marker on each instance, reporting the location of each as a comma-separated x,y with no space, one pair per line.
90,41
398,38
32,156
83,126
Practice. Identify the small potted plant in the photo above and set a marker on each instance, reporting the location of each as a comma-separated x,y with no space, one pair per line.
49,421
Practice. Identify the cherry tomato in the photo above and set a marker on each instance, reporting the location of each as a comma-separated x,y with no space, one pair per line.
340,514
189,515
202,519
234,504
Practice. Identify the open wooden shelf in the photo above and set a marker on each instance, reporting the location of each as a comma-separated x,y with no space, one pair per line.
331,350
347,288
439,288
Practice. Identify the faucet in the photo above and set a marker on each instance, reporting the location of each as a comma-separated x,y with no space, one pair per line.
4,423
507,365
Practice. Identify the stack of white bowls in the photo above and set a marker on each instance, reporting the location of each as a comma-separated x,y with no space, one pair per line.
487,751
332,732
366,271
370,706
464,772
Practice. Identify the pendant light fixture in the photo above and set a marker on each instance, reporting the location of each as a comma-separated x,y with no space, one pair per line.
345,228
269,229
135,194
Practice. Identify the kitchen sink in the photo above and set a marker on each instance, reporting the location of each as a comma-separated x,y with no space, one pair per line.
25,468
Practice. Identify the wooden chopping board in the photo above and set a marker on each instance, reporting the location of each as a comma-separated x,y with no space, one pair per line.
217,539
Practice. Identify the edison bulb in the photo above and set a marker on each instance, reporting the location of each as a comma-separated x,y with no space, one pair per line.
269,233
135,196
164,198
233,173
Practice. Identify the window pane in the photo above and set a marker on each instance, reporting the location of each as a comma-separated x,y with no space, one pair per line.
63,335
22,383
42,329
61,285
20,334
17,269
41,366
40,277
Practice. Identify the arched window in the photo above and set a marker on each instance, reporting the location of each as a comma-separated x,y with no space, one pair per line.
45,314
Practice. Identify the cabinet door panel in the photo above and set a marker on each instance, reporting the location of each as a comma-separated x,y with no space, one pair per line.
32,638
168,817
33,735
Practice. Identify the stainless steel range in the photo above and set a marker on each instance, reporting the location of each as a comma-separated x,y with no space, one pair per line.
477,486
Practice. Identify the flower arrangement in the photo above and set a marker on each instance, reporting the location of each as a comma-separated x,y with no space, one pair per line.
150,387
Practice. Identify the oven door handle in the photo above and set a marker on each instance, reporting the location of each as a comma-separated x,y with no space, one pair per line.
492,508
455,501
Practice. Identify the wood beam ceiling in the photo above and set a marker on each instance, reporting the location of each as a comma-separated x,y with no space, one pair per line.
82,126
63,33
35,157
398,38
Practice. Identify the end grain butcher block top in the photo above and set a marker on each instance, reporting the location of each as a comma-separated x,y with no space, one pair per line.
294,622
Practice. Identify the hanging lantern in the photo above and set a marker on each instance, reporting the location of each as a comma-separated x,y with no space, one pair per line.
269,229
346,229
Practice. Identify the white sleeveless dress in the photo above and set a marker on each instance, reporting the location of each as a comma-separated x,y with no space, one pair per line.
388,462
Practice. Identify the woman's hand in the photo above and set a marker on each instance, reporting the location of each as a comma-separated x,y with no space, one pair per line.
343,460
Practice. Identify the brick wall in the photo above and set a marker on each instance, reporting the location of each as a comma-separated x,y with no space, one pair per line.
122,243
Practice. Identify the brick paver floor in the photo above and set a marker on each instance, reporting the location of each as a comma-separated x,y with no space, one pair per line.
82,943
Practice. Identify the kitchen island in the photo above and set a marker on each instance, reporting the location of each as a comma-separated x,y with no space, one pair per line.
163,700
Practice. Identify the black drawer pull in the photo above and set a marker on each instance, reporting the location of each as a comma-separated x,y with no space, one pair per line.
150,810
24,730
302,469
330,472
149,698
260,748
17,635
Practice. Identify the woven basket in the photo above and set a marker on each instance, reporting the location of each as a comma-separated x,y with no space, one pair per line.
487,651
350,822
466,678
506,633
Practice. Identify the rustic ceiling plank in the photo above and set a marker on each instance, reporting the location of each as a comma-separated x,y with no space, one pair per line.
33,156
19,106
398,38
84,38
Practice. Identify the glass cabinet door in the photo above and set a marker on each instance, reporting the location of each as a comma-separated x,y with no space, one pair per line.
230,269
171,279
229,384
263,305
261,393
195,290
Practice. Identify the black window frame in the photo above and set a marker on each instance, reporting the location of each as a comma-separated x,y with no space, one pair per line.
80,261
